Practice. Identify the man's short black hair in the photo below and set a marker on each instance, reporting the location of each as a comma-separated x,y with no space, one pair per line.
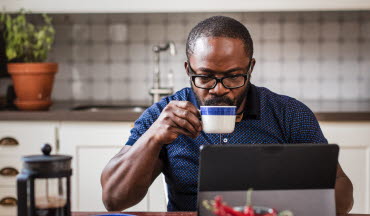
220,26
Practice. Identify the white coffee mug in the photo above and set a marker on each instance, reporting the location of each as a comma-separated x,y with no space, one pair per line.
218,119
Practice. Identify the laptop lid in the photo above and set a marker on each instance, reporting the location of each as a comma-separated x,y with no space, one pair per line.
295,177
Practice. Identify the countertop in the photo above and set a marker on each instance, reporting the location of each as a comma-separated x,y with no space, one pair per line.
62,111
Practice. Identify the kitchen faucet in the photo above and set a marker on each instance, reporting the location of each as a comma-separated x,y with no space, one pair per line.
157,91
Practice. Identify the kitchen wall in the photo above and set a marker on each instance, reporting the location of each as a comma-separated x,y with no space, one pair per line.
307,55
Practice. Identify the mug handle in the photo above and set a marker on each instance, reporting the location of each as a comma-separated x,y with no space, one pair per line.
22,185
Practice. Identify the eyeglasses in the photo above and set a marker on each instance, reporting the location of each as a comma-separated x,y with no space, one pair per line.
210,82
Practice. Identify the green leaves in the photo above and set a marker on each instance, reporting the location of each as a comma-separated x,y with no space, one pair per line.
26,42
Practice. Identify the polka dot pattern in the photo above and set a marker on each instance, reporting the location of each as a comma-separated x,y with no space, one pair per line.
281,119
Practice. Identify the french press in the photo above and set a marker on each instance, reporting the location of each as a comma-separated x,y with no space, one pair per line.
44,185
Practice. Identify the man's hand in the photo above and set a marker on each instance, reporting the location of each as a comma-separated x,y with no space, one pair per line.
178,117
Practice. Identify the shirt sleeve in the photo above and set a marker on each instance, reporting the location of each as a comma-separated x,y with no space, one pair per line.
302,124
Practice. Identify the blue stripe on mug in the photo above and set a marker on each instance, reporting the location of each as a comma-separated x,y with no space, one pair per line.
204,110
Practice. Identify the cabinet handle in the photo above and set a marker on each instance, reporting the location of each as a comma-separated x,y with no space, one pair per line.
8,201
9,171
8,141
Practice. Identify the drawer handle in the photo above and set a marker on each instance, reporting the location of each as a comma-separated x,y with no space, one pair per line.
8,201
8,141
8,171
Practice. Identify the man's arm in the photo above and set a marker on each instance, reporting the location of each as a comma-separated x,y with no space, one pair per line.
126,178
343,192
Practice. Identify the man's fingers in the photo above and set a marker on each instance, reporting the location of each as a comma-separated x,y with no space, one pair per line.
185,124
190,117
187,106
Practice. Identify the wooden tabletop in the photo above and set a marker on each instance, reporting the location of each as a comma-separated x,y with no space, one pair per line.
164,213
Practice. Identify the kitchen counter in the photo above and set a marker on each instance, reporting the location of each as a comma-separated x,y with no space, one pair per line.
62,111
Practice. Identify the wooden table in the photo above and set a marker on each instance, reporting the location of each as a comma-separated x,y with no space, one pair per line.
165,213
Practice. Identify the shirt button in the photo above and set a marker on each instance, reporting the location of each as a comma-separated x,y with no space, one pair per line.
225,140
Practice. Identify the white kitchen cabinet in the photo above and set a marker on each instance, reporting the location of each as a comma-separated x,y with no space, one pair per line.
17,139
146,6
92,144
354,157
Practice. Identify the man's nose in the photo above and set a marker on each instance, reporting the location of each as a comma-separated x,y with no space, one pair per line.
219,90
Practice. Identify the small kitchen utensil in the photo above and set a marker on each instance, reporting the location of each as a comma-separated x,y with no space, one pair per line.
44,185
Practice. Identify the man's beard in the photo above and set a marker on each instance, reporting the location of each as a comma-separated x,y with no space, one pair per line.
223,100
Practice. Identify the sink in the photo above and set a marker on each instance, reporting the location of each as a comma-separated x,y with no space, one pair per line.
97,108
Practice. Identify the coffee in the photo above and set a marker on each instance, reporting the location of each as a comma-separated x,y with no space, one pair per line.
50,206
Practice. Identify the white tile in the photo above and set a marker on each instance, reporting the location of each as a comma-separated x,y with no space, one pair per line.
63,33
349,89
310,50
350,15
271,31
137,33
137,52
118,52
330,16
79,18
291,16
365,51
100,18
350,50
119,91
271,16
272,69
118,18
118,32
311,31
99,52
156,33
291,70
292,88
364,89
330,89
156,18
311,71
254,29
64,71
176,18
349,70
61,52
291,30
310,90
175,32
291,51
136,18
100,90
350,30
119,71
330,30
80,32
252,17
310,16
273,85
180,53
136,95
272,51
81,52
62,90
365,69
139,71
82,90
81,72
330,51
365,29
100,71
257,74
99,33
236,16
196,17
330,70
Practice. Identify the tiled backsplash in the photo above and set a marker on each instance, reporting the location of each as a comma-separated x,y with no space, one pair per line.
306,55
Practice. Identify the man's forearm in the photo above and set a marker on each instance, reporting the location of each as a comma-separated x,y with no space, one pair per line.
343,194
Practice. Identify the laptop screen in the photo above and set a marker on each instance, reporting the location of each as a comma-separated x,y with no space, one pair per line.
299,178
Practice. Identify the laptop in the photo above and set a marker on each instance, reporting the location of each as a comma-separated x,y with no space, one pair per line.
298,179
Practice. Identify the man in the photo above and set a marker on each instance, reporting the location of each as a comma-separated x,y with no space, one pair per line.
167,136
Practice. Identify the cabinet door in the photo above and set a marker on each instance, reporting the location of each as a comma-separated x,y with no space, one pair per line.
7,196
354,157
92,144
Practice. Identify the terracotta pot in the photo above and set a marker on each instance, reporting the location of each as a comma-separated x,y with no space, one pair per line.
33,83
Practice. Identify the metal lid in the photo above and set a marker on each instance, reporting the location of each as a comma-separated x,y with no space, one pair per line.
46,157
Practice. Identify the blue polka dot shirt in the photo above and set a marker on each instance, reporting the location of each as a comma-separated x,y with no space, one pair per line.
268,118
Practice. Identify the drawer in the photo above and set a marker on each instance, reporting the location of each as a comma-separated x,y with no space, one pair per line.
24,138
9,168
6,195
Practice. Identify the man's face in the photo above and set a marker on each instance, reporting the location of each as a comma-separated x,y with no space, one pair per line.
219,57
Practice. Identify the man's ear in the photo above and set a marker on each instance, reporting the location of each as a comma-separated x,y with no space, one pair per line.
186,65
253,63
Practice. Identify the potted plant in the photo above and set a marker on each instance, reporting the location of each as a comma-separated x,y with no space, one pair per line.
26,49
